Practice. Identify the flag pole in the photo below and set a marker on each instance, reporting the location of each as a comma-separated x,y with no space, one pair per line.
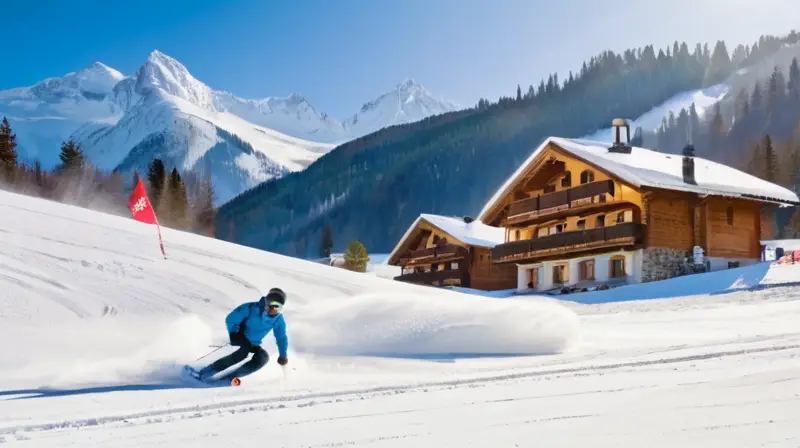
160,239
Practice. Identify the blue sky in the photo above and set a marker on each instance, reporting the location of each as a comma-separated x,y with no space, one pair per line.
342,53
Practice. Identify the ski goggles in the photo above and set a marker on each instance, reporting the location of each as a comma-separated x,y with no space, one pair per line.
276,305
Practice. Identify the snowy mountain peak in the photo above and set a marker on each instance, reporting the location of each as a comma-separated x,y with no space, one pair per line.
166,74
92,83
408,102
409,83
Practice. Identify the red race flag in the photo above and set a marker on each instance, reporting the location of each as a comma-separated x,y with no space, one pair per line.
142,211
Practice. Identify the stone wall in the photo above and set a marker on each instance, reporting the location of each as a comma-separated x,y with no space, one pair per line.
660,264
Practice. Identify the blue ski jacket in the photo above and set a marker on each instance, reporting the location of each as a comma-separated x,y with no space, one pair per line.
253,321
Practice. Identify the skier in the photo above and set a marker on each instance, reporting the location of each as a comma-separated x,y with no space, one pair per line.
247,325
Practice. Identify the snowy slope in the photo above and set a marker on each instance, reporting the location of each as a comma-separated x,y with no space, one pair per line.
96,321
292,115
703,99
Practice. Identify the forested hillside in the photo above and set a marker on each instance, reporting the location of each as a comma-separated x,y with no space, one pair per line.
372,188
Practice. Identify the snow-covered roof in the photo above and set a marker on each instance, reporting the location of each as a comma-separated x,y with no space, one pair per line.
647,168
474,233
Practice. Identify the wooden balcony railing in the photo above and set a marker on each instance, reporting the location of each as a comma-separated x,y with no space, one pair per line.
448,276
624,234
543,204
448,251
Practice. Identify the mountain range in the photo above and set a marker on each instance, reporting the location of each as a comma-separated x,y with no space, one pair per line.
373,188
123,122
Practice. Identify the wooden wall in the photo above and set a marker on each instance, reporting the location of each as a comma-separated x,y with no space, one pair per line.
678,220
669,220
739,239
488,276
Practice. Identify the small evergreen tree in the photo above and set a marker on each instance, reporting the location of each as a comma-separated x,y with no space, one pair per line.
327,241
72,157
356,257
770,160
156,179
178,203
203,206
8,152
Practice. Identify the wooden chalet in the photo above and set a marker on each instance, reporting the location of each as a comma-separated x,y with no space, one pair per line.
446,251
587,213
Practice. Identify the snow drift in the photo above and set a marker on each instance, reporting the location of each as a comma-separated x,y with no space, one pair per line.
89,292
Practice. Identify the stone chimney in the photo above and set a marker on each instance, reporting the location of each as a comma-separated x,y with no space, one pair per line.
619,146
688,164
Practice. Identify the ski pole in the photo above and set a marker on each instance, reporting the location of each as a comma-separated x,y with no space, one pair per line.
212,351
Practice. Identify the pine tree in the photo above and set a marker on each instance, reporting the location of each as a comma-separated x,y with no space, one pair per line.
327,241
72,157
156,179
794,81
770,160
638,137
519,93
203,205
8,152
178,203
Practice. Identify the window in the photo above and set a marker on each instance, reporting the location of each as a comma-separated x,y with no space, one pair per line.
559,228
620,217
559,274
617,267
516,235
581,224
729,215
587,176
454,265
566,181
586,270
601,221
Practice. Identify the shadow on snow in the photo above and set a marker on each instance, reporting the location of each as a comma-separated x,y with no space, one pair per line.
59,392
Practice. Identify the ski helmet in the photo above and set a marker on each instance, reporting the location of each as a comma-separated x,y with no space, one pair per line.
276,295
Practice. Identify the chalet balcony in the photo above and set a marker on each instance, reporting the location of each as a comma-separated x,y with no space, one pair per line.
547,204
436,278
624,234
434,254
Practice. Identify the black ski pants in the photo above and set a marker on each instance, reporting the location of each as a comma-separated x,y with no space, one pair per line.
259,360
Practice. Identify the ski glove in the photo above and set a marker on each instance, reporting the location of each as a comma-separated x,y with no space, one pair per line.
282,360
239,340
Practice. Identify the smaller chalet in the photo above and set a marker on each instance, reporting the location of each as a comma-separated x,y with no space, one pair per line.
447,251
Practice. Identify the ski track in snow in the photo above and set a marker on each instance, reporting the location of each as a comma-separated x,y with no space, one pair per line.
281,402
107,323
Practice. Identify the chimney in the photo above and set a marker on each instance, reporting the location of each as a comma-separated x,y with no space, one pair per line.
620,146
688,164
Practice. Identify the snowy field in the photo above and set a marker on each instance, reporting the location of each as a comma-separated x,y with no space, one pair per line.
96,324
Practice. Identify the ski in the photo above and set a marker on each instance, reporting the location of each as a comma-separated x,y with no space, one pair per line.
190,372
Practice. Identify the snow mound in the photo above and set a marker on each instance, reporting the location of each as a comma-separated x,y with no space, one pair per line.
397,324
